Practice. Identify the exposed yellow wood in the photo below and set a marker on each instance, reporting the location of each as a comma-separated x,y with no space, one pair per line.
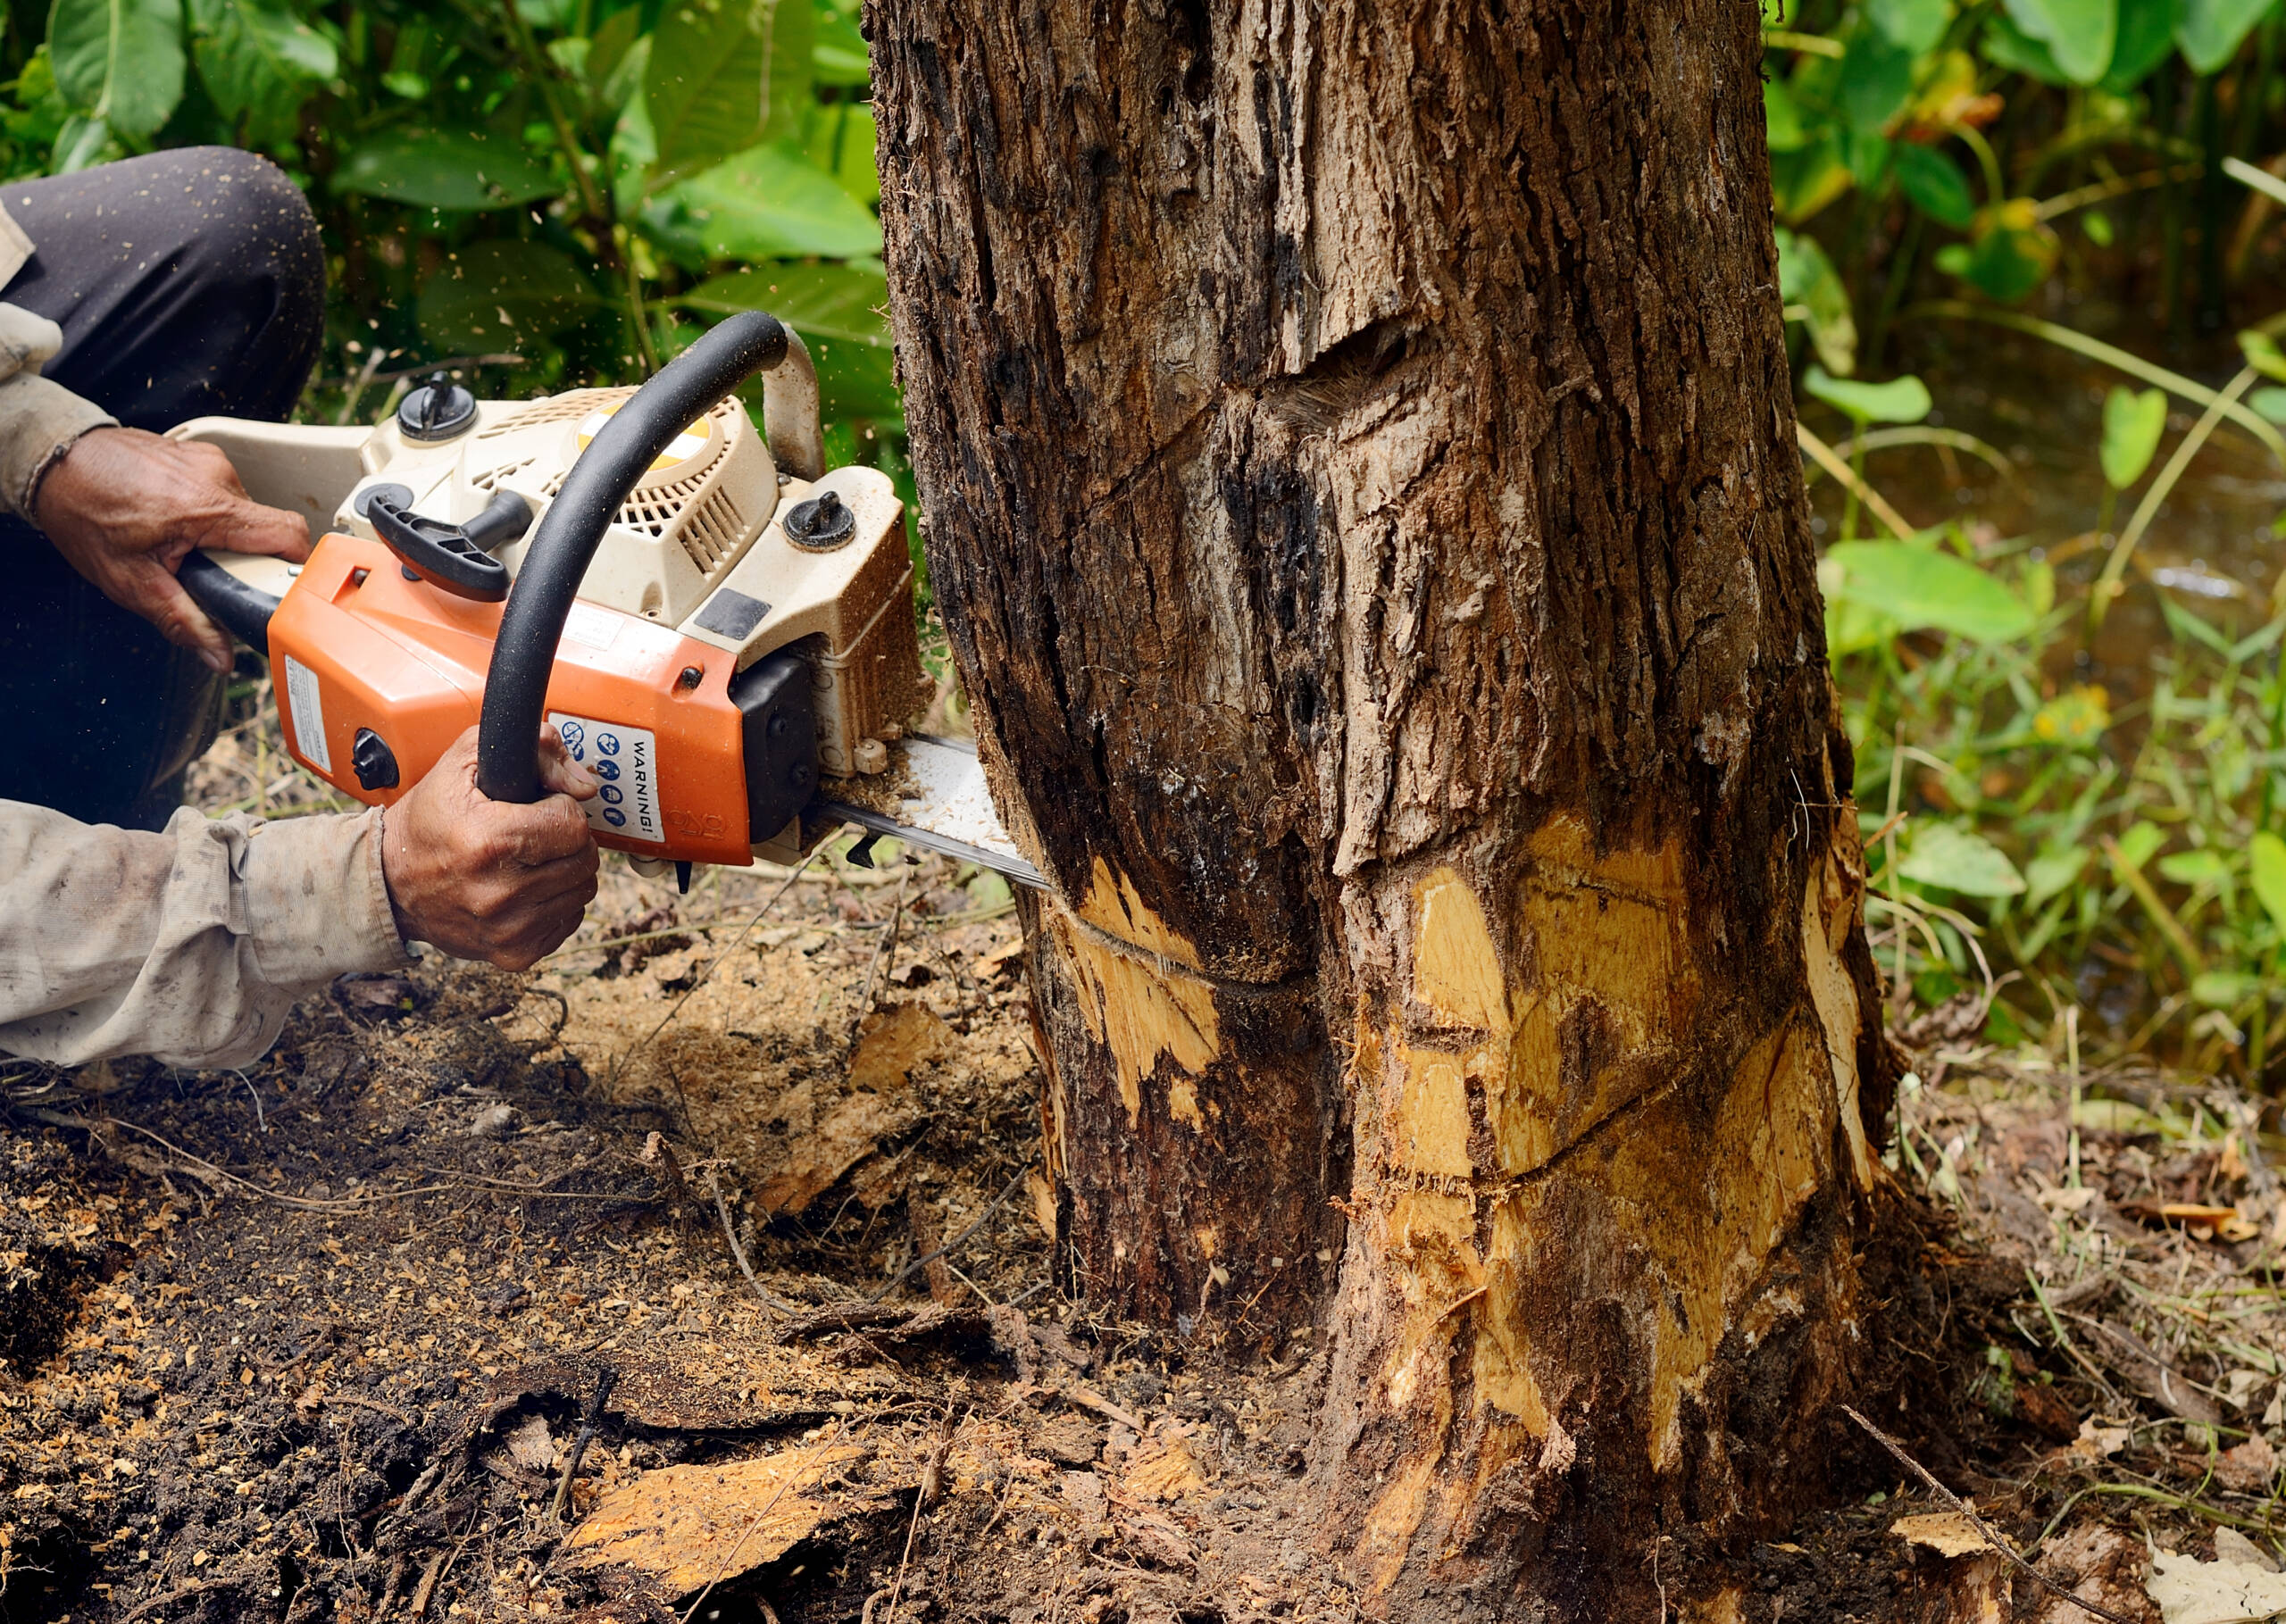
1455,968
1428,1131
1829,914
1136,1003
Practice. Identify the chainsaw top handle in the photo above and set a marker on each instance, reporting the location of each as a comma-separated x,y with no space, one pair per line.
556,560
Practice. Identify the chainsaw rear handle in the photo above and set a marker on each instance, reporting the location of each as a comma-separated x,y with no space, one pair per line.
241,610
556,560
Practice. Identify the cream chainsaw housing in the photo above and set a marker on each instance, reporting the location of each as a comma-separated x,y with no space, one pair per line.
699,545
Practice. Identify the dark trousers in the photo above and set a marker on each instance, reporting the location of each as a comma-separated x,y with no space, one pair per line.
187,283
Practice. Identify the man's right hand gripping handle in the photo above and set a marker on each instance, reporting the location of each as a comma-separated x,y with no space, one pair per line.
491,880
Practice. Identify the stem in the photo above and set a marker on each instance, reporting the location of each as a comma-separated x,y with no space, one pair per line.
1827,458
638,318
1893,291
2112,355
1996,189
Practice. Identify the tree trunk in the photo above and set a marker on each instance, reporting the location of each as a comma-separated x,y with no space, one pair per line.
1357,454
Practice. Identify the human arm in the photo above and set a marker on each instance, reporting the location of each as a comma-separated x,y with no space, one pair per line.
124,506
191,945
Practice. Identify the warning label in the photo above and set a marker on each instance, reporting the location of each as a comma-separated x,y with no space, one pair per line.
304,705
627,761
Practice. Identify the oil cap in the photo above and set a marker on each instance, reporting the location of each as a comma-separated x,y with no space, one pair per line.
438,410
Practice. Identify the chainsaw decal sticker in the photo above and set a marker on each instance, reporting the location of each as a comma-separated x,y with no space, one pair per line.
305,704
592,628
627,761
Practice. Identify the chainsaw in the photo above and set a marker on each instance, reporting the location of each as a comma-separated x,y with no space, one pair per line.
718,628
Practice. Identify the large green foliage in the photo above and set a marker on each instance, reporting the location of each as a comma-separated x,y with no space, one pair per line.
545,192
1989,118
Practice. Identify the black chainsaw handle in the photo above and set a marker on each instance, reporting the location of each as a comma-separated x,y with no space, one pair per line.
242,611
556,560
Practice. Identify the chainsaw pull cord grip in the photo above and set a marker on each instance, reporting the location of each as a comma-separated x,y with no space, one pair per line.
556,560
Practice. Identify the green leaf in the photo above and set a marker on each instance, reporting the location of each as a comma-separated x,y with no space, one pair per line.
257,61
2137,845
1901,400
446,169
723,76
837,310
2222,989
617,56
2263,355
1955,858
839,57
767,204
2270,402
2005,45
119,61
2013,251
2200,866
495,295
1813,291
1921,588
2132,424
2048,874
2268,856
839,138
1781,117
1934,184
2146,40
1915,25
1876,82
2210,32
2079,34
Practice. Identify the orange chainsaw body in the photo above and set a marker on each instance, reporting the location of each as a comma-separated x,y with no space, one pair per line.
355,647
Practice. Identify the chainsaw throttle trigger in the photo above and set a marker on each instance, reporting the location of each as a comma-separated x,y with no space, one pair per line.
451,557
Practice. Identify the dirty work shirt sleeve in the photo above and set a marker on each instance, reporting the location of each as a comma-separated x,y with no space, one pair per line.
188,945
40,420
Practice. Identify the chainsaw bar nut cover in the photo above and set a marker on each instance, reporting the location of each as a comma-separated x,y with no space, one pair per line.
821,524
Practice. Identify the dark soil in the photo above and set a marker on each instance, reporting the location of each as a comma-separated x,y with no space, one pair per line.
317,1340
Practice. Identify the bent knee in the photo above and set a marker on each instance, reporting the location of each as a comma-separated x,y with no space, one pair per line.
246,203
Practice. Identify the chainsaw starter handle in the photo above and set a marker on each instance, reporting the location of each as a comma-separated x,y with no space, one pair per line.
556,560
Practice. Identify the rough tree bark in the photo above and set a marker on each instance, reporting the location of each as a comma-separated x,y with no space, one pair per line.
1357,450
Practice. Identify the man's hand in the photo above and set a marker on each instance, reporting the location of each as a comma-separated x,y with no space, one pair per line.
489,879
127,507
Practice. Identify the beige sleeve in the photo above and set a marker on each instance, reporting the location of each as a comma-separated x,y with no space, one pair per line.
39,419
189,944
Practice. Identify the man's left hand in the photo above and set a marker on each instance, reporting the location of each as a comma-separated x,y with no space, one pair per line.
126,507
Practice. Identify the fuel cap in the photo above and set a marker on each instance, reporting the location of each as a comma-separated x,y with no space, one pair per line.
438,410
821,524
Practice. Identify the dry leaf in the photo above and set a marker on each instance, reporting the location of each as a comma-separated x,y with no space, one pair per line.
2099,1443
2232,1547
691,1526
2192,1592
1947,1533
892,1042
2249,1468
844,1138
531,1446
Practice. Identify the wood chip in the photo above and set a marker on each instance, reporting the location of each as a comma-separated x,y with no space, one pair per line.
691,1526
